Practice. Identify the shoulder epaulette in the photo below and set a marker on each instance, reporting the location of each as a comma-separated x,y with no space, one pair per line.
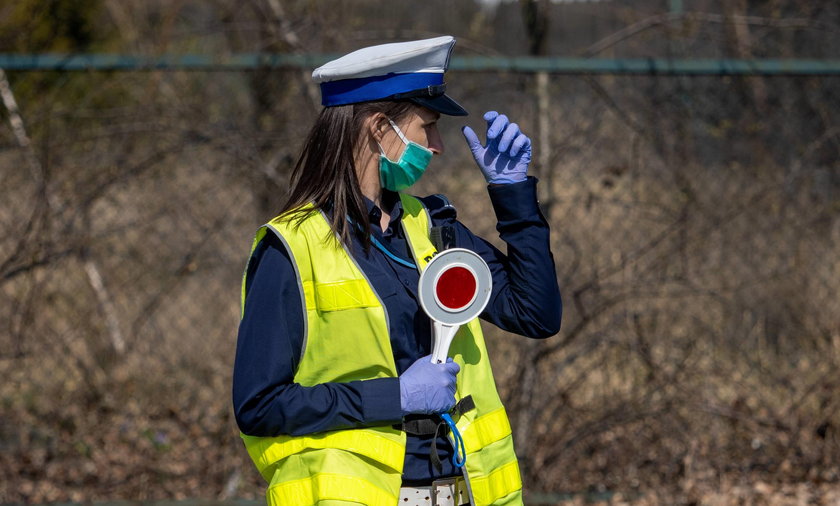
439,207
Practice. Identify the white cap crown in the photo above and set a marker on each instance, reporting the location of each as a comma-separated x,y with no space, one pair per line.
418,56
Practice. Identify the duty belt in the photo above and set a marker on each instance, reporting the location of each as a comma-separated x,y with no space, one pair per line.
443,492
424,425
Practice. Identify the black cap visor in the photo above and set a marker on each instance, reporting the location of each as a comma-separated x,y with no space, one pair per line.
442,104
434,98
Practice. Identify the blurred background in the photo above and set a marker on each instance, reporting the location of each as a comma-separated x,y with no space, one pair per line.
695,223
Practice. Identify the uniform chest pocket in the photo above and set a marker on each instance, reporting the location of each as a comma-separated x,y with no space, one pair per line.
339,295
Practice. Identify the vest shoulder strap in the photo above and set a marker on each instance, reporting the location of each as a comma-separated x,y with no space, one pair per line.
417,225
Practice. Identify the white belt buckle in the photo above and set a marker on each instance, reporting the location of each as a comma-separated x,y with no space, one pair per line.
443,492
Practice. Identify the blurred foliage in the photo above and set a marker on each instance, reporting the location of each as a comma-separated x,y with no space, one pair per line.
58,26
36,26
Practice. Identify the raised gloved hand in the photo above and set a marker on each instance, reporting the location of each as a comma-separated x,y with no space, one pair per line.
427,388
507,154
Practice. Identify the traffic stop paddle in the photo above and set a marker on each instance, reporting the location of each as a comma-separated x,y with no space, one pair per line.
454,289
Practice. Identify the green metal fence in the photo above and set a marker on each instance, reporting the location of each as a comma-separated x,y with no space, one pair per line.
554,65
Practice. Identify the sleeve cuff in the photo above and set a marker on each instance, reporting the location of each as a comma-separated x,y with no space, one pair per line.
381,400
515,201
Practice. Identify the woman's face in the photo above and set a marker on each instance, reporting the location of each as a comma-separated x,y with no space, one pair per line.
420,126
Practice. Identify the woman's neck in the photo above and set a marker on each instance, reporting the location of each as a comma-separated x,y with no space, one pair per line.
374,193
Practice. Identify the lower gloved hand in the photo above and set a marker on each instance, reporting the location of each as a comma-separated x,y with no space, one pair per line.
427,388
507,154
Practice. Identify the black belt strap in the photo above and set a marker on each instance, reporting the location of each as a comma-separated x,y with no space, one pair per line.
428,425
422,426
433,451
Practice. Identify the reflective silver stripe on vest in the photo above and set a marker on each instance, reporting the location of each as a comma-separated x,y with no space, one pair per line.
300,289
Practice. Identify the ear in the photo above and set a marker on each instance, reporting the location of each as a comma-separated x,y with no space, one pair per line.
377,125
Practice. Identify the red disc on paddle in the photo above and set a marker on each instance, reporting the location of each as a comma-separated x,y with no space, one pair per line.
456,288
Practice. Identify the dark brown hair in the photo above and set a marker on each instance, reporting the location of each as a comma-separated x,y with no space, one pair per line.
325,172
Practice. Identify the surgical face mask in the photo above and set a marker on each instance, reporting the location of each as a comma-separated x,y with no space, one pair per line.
399,175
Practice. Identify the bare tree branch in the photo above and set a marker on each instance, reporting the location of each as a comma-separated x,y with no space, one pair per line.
282,28
20,132
664,19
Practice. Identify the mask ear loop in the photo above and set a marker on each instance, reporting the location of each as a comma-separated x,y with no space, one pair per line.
399,132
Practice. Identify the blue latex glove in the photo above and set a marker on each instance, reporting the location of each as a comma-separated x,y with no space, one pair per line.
506,156
427,388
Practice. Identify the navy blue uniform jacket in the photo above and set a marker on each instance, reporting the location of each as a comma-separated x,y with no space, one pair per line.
525,300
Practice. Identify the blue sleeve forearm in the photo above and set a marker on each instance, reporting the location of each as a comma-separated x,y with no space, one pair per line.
526,297
266,400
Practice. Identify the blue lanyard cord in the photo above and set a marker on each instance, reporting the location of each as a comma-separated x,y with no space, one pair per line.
381,247
459,458
390,255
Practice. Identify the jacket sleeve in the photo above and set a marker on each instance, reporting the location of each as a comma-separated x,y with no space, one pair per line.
266,400
526,297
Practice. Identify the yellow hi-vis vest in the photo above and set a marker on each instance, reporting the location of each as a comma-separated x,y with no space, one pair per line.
347,339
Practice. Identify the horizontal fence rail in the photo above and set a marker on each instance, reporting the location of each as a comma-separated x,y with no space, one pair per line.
528,64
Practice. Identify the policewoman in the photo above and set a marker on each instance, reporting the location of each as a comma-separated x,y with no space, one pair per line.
334,390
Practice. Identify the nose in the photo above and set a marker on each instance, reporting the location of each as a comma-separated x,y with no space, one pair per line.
435,141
